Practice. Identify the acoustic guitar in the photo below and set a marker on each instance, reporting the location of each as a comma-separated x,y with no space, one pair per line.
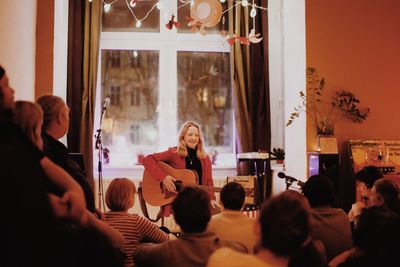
154,192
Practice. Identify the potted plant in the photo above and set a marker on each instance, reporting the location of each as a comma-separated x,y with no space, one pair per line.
324,109
278,154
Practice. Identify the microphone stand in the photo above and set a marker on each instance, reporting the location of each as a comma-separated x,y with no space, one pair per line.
99,146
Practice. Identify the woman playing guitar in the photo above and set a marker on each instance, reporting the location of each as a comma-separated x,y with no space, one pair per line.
189,154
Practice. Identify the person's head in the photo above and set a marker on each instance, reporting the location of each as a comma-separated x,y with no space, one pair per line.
55,115
233,196
377,234
318,190
365,179
190,136
285,223
29,117
6,92
191,209
120,195
385,193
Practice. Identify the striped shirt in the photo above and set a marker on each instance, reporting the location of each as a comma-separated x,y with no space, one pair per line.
136,230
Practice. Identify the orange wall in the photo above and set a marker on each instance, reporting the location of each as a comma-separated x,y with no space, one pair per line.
44,47
355,45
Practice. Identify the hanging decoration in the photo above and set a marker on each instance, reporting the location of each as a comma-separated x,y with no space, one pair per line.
171,23
203,14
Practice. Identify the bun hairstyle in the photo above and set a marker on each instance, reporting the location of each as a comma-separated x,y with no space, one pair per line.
2,72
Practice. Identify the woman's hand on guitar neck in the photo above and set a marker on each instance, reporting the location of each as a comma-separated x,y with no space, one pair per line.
169,183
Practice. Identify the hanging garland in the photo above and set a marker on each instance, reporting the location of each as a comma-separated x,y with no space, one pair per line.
203,14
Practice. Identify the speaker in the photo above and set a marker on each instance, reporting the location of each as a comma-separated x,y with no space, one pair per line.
250,186
327,165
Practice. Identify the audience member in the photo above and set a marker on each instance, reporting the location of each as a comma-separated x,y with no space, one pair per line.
365,179
28,116
284,232
385,192
55,126
192,213
375,239
232,224
331,226
120,197
30,233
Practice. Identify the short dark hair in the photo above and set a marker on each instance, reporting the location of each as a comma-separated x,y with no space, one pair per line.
191,209
388,190
377,235
232,196
368,175
318,189
285,223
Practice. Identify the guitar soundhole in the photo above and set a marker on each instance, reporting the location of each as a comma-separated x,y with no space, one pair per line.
178,185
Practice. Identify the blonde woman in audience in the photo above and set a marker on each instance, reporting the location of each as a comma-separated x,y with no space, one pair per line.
120,197
284,232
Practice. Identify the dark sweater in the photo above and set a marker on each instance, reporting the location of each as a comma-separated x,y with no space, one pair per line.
58,153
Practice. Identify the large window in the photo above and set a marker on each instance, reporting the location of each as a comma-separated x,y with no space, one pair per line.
158,78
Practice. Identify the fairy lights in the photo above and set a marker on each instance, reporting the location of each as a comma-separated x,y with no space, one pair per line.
135,4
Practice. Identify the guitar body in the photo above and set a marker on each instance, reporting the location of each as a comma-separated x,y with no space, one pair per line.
154,192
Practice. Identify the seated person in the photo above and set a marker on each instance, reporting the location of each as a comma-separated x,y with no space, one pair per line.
192,212
120,197
232,224
331,226
28,116
55,126
385,192
376,240
365,179
284,235
30,233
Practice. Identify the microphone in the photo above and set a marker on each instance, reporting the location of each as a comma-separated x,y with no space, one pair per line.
106,102
290,178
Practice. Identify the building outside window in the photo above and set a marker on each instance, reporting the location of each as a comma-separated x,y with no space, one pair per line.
158,78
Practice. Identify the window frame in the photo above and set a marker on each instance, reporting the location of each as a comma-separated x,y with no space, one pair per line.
168,43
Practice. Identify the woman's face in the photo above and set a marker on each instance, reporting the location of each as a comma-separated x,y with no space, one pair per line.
8,93
192,137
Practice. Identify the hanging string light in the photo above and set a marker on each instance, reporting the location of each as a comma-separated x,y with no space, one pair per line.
133,4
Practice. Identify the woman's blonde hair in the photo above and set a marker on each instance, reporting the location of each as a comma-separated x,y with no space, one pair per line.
120,193
182,148
29,116
52,106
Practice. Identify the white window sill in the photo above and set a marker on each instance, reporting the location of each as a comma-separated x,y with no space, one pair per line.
136,171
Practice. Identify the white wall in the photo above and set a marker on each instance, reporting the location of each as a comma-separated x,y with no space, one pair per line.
17,45
287,51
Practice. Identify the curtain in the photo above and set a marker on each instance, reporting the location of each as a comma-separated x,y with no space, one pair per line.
84,43
251,83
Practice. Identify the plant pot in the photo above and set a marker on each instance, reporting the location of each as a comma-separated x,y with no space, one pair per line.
279,161
327,144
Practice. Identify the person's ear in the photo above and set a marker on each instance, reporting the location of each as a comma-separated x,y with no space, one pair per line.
380,200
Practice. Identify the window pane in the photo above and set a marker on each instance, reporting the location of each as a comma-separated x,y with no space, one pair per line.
204,95
130,79
184,12
120,18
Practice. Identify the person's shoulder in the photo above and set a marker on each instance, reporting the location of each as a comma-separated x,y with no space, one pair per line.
173,149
